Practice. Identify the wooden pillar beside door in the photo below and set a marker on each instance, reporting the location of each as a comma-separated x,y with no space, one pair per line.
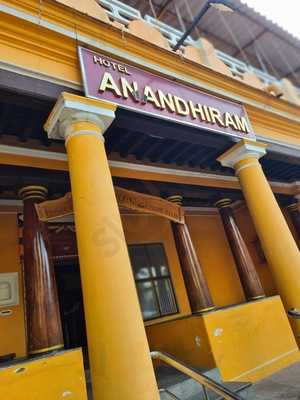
246,269
44,331
294,213
196,284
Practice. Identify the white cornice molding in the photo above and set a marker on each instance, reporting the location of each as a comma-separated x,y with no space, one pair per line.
13,203
280,147
170,171
211,211
183,173
48,155
38,75
200,211
9,206
21,151
189,211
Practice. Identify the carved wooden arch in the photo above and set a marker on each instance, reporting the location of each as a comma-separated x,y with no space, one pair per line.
53,209
197,288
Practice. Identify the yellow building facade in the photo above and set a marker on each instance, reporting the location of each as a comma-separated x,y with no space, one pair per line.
185,238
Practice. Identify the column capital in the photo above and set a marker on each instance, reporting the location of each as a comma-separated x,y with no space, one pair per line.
33,192
71,108
176,199
242,150
222,203
293,207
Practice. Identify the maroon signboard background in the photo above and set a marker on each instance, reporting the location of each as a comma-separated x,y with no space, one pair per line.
92,74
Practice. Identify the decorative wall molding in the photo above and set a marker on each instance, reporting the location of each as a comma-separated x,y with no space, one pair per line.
142,55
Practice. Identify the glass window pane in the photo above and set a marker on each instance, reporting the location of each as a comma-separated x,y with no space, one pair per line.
167,302
152,276
164,271
158,260
148,301
139,262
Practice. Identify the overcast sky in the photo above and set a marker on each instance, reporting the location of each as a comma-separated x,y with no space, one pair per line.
284,12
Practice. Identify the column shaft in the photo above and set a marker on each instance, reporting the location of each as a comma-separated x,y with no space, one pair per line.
245,266
277,241
42,308
195,282
119,355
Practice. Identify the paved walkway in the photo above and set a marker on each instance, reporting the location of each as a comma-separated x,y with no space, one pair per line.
282,385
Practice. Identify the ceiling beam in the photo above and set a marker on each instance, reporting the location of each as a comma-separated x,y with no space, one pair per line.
164,129
165,154
152,148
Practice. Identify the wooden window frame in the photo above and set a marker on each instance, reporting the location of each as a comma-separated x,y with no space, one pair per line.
153,279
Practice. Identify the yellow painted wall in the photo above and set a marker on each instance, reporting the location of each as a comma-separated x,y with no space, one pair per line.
151,229
12,330
212,248
247,229
246,342
185,339
58,376
252,340
214,253
34,59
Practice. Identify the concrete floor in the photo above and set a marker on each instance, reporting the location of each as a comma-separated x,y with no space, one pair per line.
282,385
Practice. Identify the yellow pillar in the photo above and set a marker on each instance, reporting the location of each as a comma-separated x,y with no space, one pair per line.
277,241
120,362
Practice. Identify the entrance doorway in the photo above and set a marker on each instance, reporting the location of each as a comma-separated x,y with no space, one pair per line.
71,305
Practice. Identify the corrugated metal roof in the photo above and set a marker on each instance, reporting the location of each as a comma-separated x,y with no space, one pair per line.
244,34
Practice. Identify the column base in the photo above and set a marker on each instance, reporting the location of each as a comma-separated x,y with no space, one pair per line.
46,349
257,297
245,342
205,310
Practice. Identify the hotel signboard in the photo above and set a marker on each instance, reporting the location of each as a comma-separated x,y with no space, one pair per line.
141,91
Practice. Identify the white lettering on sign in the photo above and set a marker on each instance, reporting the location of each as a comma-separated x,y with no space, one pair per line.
174,104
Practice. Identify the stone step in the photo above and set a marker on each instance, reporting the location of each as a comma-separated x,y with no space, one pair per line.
185,388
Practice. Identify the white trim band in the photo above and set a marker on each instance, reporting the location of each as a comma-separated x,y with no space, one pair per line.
48,155
250,164
83,133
